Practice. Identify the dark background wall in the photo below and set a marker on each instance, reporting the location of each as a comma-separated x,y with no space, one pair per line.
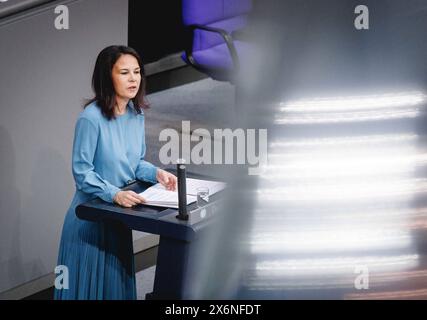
155,28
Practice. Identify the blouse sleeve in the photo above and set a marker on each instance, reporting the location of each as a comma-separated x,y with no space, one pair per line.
145,170
87,180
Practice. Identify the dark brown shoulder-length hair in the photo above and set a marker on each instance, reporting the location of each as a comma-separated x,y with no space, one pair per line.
102,82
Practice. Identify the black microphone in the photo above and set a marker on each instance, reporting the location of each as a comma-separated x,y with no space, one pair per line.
182,190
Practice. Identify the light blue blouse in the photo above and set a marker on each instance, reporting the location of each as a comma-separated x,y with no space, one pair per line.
109,154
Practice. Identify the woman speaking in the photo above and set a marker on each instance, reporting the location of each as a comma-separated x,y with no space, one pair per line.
108,151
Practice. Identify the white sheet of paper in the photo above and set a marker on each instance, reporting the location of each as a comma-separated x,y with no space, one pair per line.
193,184
159,196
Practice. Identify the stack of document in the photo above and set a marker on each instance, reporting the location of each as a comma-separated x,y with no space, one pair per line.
157,195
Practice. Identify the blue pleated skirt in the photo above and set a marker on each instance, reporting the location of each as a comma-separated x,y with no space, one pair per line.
99,258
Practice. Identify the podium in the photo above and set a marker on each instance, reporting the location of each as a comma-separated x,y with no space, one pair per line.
179,240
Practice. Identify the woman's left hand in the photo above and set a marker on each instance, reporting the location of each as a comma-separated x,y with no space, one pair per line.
168,180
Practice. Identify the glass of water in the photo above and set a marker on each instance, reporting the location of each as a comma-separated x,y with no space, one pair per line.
202,196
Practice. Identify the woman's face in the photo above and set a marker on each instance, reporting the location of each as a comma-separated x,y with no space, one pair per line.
126,76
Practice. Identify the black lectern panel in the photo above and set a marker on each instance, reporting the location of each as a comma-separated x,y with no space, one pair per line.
178,238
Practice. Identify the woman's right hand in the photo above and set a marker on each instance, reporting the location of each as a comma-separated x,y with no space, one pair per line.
128,198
